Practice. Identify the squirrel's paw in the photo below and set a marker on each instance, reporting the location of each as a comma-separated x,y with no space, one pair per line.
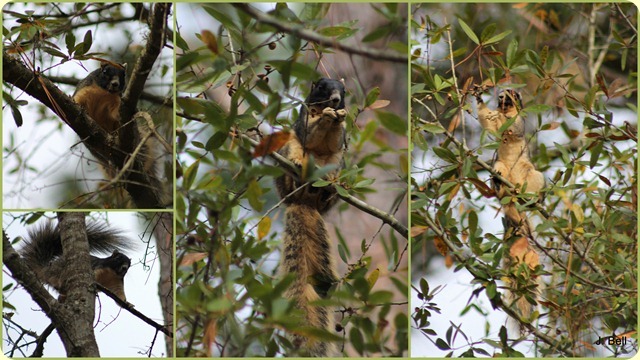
330,112
297,159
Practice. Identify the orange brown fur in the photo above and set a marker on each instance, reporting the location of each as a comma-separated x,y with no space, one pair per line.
102,106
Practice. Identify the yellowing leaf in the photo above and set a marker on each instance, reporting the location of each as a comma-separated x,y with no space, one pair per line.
577,212
373,277
263,227
210,41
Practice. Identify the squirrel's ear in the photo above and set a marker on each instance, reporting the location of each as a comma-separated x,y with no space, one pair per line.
124,66
103,64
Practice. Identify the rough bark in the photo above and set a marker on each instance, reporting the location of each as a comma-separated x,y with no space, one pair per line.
163,233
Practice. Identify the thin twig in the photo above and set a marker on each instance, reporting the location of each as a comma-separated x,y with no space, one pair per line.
301,32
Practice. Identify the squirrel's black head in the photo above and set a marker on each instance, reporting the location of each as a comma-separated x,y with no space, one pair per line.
118,262
327,92
509,98
111,77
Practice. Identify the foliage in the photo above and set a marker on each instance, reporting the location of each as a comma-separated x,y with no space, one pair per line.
576,72
242,80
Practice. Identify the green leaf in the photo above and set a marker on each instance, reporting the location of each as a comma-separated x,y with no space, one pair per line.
372,96
334,31
87,42
70,42
434,128
255,195
221,304
492,290
393,122
190,175
503,336
357,340
445,154
342,254
216,140
595,154
469,32
498,37
424,287
54,52
376,34
442,345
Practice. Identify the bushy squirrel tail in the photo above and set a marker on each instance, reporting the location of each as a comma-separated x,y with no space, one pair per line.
307,254
523,286
44,244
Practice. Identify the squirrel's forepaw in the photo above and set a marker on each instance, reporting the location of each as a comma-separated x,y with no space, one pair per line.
297,160
330,113
342,113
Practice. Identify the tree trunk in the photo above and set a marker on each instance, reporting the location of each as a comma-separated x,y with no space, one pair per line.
78,302
163,233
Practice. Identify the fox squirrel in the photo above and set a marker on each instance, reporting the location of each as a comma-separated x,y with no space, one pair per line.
319,132
42,251
100,95
514,164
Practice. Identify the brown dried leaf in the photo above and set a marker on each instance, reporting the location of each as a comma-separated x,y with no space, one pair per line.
551,126
379,104
448,261
417,230
191,258
271,143
210,40
440,246
210,331
485,190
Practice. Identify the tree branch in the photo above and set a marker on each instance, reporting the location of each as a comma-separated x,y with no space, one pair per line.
67,317
292,169
497,301
140,185
26,277
308,35
575,246
129,131
155,99
129,307
77,277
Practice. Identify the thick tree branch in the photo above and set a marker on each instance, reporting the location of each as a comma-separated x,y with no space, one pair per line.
80,296
140,185
69,316
163,233
308,35
43,90
129,131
